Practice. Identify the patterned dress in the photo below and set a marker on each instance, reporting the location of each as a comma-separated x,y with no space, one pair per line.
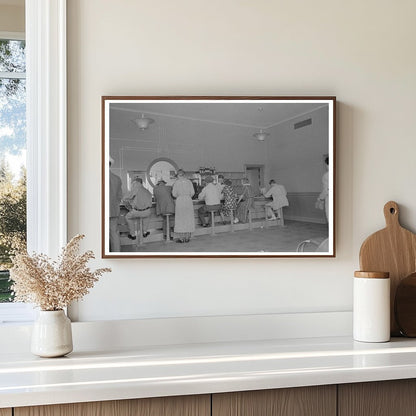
183,191
246,203
230,200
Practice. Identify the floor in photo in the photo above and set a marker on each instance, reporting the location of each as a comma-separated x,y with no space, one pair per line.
273,239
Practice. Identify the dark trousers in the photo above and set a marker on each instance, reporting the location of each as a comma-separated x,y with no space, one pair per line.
207,209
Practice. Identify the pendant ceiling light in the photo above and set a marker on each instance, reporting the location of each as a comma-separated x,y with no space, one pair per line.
261,135
143,122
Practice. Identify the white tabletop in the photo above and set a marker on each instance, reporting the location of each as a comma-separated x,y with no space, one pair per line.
200,368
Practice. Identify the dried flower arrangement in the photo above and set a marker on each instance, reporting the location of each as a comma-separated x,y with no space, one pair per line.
52,285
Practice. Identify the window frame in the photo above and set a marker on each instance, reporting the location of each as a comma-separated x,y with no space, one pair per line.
12,36
46,125
46,121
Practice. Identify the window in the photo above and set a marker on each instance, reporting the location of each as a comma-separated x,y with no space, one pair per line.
46,135
12,155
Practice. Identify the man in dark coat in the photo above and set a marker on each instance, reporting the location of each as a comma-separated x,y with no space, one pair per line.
164,202
116,195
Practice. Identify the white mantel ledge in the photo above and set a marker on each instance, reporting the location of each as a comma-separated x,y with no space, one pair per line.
213,367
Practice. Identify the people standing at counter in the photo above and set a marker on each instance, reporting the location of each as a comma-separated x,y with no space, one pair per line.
230,200
164,202
244,202
220,183
278,193
196,188
322,201
140,201
212,197
116,194
183,191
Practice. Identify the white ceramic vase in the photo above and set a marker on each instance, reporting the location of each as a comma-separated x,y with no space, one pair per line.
52,334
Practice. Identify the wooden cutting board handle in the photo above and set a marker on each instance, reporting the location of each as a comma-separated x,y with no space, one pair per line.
391,214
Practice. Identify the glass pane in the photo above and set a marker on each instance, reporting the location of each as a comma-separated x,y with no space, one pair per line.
5,292
12,55
12,119
12,175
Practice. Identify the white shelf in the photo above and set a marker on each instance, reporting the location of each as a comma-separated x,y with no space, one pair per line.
151,371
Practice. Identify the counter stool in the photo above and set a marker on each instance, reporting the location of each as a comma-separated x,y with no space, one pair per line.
232,219
213,211
138,229
250,219
266,222
168,240
280,219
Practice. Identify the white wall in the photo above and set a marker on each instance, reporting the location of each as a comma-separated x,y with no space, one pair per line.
360,51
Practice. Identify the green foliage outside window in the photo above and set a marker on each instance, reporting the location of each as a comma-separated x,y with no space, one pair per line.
12,148
12,224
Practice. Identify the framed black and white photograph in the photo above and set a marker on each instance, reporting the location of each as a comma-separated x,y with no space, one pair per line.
218,176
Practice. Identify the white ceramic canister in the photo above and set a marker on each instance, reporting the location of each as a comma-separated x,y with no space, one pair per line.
371,308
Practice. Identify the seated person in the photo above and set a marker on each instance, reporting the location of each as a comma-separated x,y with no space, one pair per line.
212,197
278,193
140,201
196,188
164,202
244,202
230,200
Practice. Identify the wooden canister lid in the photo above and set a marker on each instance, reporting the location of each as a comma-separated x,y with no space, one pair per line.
372,275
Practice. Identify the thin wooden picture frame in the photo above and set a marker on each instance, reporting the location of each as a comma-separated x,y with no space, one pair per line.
250,141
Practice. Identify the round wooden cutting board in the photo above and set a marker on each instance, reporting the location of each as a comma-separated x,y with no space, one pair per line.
392,250
405,306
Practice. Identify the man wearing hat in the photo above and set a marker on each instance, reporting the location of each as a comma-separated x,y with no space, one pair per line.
212,197
278,193
164,202
141,202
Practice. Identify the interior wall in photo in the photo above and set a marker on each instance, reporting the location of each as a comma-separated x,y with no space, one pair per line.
296,155
296,159
293,156
190,144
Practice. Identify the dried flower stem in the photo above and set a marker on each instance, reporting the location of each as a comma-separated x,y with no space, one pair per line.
53,285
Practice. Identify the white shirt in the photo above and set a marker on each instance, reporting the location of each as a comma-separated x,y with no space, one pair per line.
210,194
278,193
